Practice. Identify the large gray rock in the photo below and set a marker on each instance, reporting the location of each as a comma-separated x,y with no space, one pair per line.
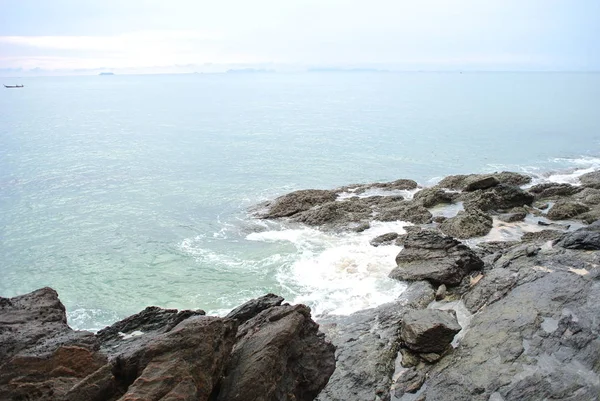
430,197
428,255
459,182
585,238
367,344
564,209
553,190
247,311
279,355
467,224
296,202
591,180
540,341
475,183
429,330
405,211
384,239
336,214
500,197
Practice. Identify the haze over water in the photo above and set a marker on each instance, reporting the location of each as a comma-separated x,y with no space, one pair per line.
127,191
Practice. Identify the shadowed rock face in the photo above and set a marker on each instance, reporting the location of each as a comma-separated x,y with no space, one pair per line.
161,354
430,256
429,330
500,197
585,238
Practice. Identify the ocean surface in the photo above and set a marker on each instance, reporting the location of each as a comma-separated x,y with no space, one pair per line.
127,191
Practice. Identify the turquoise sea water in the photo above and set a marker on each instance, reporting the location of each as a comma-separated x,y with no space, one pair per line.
127,191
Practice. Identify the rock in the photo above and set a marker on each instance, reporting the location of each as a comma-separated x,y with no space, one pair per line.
539,341
499,197
296,202
161,354
459,182
247,311
429,330
588,196
430,256
384,239
430,197
591,180
474,183
407,211
565,209
439,219
512,217
467,224
491,288
410,381
336,214
279,355
367,346
513,179
430,357
587,238
544,235
553,190
37,323
185,363
440,293
398,185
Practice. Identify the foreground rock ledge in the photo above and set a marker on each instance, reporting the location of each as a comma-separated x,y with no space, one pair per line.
276,353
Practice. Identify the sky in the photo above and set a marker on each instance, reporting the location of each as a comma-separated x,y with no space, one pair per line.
46,36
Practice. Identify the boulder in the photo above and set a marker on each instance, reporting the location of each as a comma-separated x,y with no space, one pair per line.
587,238
430,197
565,209
500,197
467,224
384,239
474,183
459,182
591,180
279,355
552,190
296,202
428,255
429,330
367,346
588,196
512,178
336,214
406,211
512,217
398,185
541,236
247,311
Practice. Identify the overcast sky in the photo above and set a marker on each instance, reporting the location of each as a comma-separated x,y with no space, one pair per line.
398,34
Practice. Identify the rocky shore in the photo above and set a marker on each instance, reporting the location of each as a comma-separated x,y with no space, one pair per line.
480,320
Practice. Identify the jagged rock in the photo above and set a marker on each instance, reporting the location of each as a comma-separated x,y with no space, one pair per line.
409,381
544,235
367,346
512,217
584,238
467,224
253,307
430,197
296,202
279,355
492,287
588,196
398,185
495,246
384,239
591,180
539,341
459,182
475,183
335,214
407,211
500,197
553,190
428,255
429,330
565,209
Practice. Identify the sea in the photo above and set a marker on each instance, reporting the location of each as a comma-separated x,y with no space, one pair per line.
122,192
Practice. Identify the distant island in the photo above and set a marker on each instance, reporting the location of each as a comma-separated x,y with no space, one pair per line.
336,69
107,73
249,71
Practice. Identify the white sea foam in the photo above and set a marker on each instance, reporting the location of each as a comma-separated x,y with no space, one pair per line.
405,193
338,273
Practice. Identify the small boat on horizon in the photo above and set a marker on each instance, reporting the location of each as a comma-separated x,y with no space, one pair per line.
14,86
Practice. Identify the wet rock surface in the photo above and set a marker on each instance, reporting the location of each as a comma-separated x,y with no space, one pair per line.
428,255
467,224
277,353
